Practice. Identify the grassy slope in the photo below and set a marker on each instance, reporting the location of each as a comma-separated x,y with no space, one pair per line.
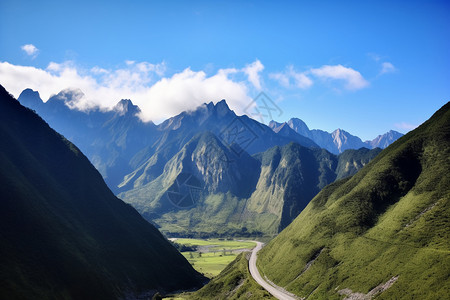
391,218
234,282
63,234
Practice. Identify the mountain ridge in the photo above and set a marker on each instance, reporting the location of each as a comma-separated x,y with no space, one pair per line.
63,233
339,140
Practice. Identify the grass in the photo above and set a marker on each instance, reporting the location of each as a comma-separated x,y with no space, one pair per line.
210,264
390,219
218,244
234,282
215,254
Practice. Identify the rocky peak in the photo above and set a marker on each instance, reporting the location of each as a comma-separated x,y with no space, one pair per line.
126,106
299,126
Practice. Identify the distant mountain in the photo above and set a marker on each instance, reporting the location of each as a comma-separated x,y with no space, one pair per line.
63,234
383,232
239,133
110,139
339,140
382,141
119,144
205,189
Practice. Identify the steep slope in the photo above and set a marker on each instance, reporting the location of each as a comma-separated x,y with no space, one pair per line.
290,177
350,161
238,133
201,189
384,231
110,139
63,234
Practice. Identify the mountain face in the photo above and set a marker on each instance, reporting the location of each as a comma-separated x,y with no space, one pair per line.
382,141
339,140
119,144
383,232
63,234
110,139
195,173
205,189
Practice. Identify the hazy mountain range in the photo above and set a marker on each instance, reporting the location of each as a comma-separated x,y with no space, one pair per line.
336,142
248,178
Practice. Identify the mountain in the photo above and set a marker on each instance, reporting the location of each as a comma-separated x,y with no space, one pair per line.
207,151
382,141
120,145
339,140
63,234
239,133
205,189
383,232
110,139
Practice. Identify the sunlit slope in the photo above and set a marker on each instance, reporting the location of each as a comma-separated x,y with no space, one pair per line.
390,219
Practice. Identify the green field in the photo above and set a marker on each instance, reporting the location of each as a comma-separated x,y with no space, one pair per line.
213,255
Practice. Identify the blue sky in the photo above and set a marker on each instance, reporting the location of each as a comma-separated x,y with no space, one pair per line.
363,66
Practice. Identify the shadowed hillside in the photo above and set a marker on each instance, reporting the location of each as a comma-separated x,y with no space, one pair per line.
63,234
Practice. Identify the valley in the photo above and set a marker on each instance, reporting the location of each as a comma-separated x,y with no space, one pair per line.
224,150
211,256
322,215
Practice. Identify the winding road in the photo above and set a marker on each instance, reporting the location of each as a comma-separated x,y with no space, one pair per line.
277,292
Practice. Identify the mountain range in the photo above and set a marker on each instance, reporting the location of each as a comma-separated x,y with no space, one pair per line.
203,171
336,142
63,233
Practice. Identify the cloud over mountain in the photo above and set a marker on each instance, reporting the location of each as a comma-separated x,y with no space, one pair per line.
159,95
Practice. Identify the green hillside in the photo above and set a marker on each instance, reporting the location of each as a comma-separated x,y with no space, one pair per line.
63,234
385,231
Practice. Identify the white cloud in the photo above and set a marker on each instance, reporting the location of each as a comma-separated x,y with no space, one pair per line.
405,126
300,80
30,50
387,67
353,79
157,95
252,70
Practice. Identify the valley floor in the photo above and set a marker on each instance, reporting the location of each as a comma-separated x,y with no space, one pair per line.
211,256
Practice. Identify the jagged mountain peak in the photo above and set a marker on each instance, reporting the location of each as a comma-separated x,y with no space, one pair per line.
221,107
68,95
30,93
30,98
283,127
298,125
126,106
